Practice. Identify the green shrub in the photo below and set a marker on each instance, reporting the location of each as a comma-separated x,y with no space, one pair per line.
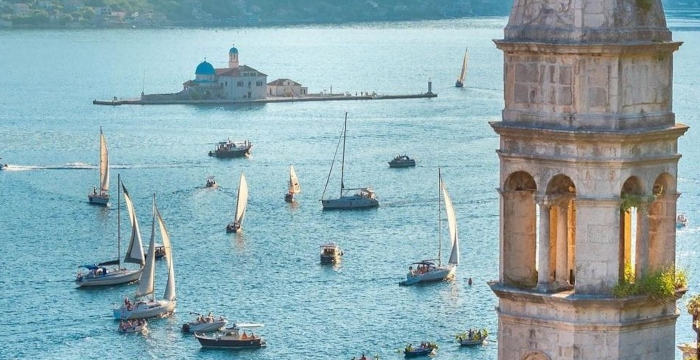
659,285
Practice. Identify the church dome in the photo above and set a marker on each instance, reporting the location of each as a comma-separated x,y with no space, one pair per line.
233,50
205,68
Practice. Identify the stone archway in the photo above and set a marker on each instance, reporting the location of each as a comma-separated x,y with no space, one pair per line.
518,233
632,234
536,356
560,197
662,223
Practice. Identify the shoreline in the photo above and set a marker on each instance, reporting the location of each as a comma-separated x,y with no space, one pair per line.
427,95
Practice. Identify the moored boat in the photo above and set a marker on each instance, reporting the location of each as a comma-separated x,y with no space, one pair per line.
143,307
133,326
241,205
293,185
204,324
231,149
425,349
428,270
402,161
111,272
330,253
102,197
234,337
363,198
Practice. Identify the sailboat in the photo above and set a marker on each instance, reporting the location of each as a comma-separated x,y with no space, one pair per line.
100,274
427,270
144,307
294,187
462,75
241,205
102,197
362,198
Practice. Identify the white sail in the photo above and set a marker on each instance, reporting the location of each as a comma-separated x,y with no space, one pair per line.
149,271
452,225
134,253
294,187
104,164
242,200
170,287
465,61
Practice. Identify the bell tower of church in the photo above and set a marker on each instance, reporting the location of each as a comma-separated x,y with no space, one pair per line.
233,58
588,173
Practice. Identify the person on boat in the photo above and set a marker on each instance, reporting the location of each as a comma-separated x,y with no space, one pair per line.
363,357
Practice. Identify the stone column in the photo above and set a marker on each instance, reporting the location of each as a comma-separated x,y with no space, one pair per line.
562,271
543,241
642,245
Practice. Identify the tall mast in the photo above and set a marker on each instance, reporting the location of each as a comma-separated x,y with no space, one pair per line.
99,163
119,221
439,221
342,164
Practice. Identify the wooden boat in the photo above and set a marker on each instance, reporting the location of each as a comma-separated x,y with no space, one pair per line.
293,186
241,204
425,349
232,338
231,149
330,253
472,337
363,197
402,161
681,221
427,270
143,307
462,75
204,324
105,273
102,197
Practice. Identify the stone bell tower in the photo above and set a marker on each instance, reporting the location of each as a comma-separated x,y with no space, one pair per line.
588,172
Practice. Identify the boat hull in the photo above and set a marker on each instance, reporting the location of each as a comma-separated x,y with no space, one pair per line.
467,342
459,84
98,199
218,343
195,327
349,203
123,276
233,228
330,259
440,274
417,353
145,310
402,164
289,197
231,153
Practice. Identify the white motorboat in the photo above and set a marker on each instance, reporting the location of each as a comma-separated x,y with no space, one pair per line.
106,273
293,186
203,324
211,183
142,306
330,253
133,326
102,197
362,198
427,270
241,204
463,74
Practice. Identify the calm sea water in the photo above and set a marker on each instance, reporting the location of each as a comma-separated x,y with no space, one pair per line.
270,272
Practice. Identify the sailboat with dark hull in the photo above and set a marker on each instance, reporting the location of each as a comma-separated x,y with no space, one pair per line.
241,205
362,198
463,74
294,187
106,273
102,197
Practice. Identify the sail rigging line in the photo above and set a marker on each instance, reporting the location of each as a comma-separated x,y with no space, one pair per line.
332,163
342,164
439,220
119,222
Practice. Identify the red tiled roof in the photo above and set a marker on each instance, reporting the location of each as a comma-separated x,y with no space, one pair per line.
280,82
237,71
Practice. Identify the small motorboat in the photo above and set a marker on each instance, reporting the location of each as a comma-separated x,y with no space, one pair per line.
3,166
472,337
234,337
681,221
402,161
425,349
204,324
330,253
159,251
231,149
133,326
211,183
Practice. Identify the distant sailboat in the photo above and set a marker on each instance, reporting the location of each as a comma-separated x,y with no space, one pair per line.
362,198
102,197
99,274
462,75
427,270
294,187
143,307
241,204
